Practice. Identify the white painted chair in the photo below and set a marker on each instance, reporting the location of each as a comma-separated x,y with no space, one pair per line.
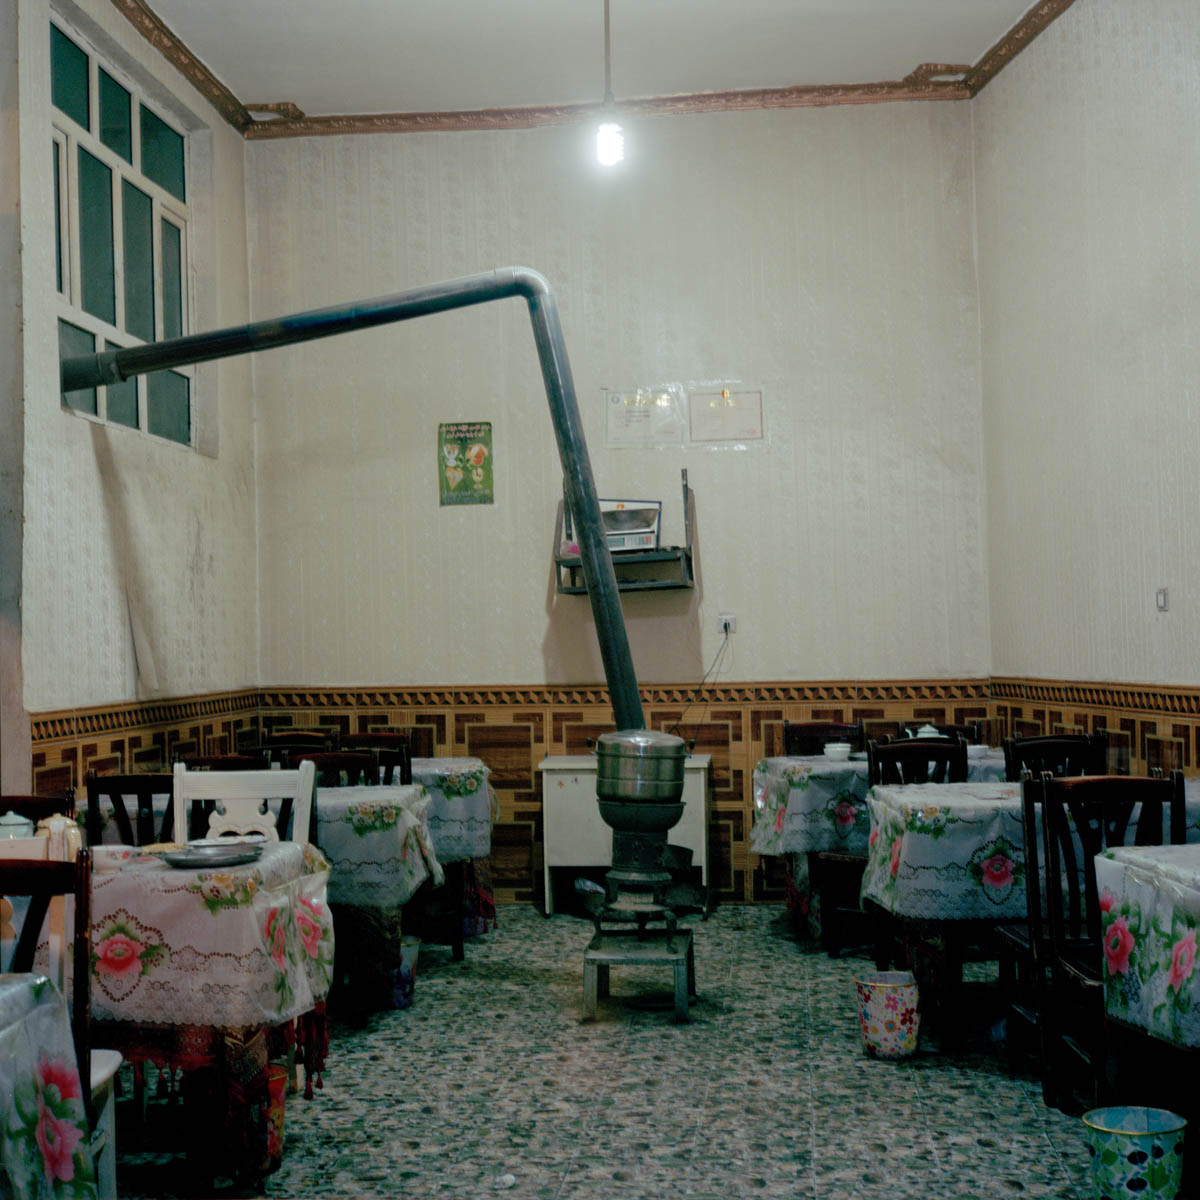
242,801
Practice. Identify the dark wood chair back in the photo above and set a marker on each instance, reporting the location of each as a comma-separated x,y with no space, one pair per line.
226,762
1068,754
1083,815
809,737
917,760
41,880
141,790
339,768
418,739
38,808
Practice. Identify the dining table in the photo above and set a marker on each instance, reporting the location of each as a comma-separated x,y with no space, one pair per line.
1150,914
44,1144
212,971
804,805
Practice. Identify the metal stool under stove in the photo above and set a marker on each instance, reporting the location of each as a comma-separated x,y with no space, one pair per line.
639,781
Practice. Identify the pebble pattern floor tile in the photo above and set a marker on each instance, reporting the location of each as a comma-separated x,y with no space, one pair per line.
490,1085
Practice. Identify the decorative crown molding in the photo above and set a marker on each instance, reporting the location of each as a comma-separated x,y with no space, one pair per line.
284,119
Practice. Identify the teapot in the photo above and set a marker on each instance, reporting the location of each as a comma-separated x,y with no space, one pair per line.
13,825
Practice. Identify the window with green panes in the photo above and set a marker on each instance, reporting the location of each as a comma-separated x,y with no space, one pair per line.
121,224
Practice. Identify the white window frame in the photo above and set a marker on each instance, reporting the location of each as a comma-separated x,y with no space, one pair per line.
69,138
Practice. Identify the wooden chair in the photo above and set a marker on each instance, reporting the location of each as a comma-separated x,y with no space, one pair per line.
1023,952
142,789
418,739
276,746
394,748
339,768
809,737
1068,754
241,801
226,762
38,808
1083,815
42,881
936,960
917,760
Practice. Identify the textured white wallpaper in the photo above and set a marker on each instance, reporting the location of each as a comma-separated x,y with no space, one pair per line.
120,527
825,256
1088,190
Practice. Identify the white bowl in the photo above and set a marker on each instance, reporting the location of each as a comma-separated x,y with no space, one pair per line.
837,751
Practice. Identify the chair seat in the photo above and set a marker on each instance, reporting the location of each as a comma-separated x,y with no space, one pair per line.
104,1065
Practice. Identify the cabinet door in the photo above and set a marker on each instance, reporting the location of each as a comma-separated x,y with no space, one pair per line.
574,833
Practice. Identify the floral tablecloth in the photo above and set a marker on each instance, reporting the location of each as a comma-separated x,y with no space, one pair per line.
947,851
43,1128
231,947
378,843
814,803
462,806
1150,903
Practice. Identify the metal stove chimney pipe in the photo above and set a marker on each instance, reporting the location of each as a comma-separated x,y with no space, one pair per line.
116,365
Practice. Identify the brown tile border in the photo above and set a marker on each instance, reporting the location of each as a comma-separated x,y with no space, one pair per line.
737,723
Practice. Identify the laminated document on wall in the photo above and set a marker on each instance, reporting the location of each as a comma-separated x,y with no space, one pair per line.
725,415
645,416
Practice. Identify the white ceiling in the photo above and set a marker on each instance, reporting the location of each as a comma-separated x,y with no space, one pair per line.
407,56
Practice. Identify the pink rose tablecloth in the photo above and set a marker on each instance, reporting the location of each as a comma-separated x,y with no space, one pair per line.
230,947
43,1129
947,851
1150,904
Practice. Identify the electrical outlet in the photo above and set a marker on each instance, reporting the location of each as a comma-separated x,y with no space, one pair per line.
727,623
1160,598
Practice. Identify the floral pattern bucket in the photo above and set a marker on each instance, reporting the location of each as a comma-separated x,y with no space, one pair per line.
1135,1152
887,1013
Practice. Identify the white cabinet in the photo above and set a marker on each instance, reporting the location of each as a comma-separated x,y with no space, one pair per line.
575,835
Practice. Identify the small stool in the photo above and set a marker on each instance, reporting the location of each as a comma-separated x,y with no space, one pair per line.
650,946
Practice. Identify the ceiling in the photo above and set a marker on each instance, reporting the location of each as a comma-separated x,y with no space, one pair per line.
491,62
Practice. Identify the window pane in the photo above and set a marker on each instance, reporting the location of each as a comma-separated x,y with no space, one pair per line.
72,342
138,219
68,77
96,238
162,154
172,252
116,120
168,413
122,402
58,263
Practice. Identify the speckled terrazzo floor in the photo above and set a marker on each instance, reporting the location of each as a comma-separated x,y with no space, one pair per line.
490,1085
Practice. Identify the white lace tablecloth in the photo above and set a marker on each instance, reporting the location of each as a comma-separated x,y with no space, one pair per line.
232,947
947,851
462,806
1150,902
814,803
43,1128
378,843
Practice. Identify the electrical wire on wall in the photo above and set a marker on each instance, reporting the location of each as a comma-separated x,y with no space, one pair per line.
716,662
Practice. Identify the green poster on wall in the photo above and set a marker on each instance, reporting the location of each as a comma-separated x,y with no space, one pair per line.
465,462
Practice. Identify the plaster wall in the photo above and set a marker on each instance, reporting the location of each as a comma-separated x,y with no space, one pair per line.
124,532
824,256
1088,185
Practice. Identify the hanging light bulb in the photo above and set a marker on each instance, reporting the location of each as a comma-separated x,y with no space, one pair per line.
610,144
610,138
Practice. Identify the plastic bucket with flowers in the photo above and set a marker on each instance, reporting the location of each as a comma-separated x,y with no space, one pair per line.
887,1013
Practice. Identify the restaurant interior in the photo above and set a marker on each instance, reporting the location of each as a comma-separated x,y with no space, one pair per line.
903,372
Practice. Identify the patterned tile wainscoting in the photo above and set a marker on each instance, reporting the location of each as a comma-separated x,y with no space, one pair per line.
511,729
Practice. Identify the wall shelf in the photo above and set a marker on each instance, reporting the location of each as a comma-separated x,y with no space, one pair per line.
636,570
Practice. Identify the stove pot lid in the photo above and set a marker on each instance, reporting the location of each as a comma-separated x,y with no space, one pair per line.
640,743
